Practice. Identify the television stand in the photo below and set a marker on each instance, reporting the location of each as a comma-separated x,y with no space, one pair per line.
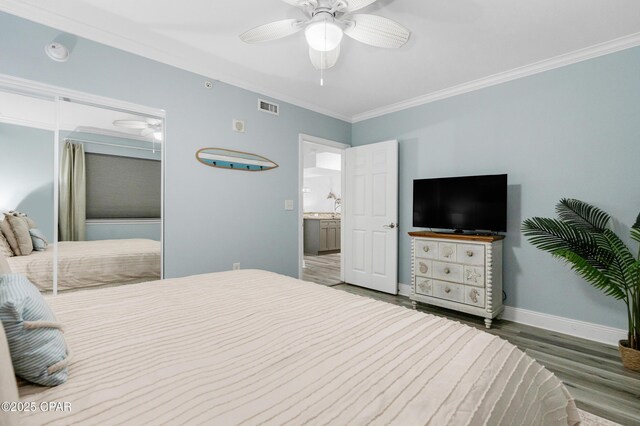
458,271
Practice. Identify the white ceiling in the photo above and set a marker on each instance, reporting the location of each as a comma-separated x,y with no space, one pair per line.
453,42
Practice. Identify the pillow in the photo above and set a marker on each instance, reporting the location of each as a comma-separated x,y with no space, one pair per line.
38,239
30,222
4,269
5,248
38,350
20,228
8,386
7,232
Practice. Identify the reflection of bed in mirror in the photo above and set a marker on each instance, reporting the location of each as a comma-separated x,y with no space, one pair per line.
84,264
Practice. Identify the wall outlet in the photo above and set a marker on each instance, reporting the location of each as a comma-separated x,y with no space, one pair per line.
236,266
288,204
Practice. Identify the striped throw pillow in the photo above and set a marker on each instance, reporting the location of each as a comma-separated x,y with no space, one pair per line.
38,350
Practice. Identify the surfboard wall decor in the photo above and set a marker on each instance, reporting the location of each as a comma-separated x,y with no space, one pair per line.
234,160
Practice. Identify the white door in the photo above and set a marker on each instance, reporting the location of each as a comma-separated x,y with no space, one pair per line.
371,217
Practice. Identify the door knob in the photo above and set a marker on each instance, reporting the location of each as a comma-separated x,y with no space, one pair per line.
391,225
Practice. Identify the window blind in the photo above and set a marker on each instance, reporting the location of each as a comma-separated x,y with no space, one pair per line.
122,187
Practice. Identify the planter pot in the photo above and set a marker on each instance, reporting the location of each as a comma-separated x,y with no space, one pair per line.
630,357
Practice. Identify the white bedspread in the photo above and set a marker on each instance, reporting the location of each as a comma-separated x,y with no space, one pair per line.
252,347
92,263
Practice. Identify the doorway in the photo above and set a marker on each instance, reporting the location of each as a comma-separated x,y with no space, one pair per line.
321,183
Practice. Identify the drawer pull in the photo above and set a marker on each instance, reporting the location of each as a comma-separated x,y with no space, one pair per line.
423,268
448,252
447,290
474,295
469,253
447,270
425,248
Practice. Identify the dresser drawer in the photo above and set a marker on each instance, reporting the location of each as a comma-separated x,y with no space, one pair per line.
474,296
424,286
474,275
471,254
448,291
424,267
447,271
447,251
427,249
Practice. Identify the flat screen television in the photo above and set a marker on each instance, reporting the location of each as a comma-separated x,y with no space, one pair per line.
468,203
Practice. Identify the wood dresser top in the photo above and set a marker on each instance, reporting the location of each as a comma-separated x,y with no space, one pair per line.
461,237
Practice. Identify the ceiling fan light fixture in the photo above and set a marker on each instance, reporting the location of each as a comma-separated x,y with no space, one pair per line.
323,35
157,135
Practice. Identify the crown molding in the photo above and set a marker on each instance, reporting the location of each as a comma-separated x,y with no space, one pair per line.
616,45
149,50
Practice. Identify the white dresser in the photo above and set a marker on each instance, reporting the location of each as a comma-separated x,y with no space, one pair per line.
456,271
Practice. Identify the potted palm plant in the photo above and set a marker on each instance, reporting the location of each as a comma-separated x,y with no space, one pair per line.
583,237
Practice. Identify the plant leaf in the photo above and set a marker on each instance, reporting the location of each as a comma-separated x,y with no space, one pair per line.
635,229
554,235
583,215
592,275
622,268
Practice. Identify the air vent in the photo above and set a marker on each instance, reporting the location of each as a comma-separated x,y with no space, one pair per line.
269,107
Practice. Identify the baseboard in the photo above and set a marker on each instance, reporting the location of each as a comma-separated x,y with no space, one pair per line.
582,329
404,289
585,330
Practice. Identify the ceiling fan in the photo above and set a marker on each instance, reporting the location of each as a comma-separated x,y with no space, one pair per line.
147,127
327,21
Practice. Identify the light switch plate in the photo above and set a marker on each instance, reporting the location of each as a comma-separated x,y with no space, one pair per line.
288,204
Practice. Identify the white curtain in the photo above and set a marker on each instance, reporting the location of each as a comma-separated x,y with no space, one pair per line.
73,193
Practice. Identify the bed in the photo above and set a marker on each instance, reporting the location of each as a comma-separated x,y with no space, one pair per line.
253,347
83,264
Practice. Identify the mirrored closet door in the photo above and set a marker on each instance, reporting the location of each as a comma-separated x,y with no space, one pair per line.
110,196
86,183
27,184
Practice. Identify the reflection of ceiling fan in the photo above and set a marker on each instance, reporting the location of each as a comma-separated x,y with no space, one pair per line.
147,127
327,21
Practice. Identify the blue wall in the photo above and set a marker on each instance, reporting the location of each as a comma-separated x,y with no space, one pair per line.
113,230
213,217
570,132
26,173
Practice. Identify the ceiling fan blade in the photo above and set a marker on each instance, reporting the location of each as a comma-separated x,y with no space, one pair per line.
131,124
302,3
147,131
377,31
324,60
353,5
272,31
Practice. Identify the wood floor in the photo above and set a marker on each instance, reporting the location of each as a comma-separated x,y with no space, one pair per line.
323,269
591,371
